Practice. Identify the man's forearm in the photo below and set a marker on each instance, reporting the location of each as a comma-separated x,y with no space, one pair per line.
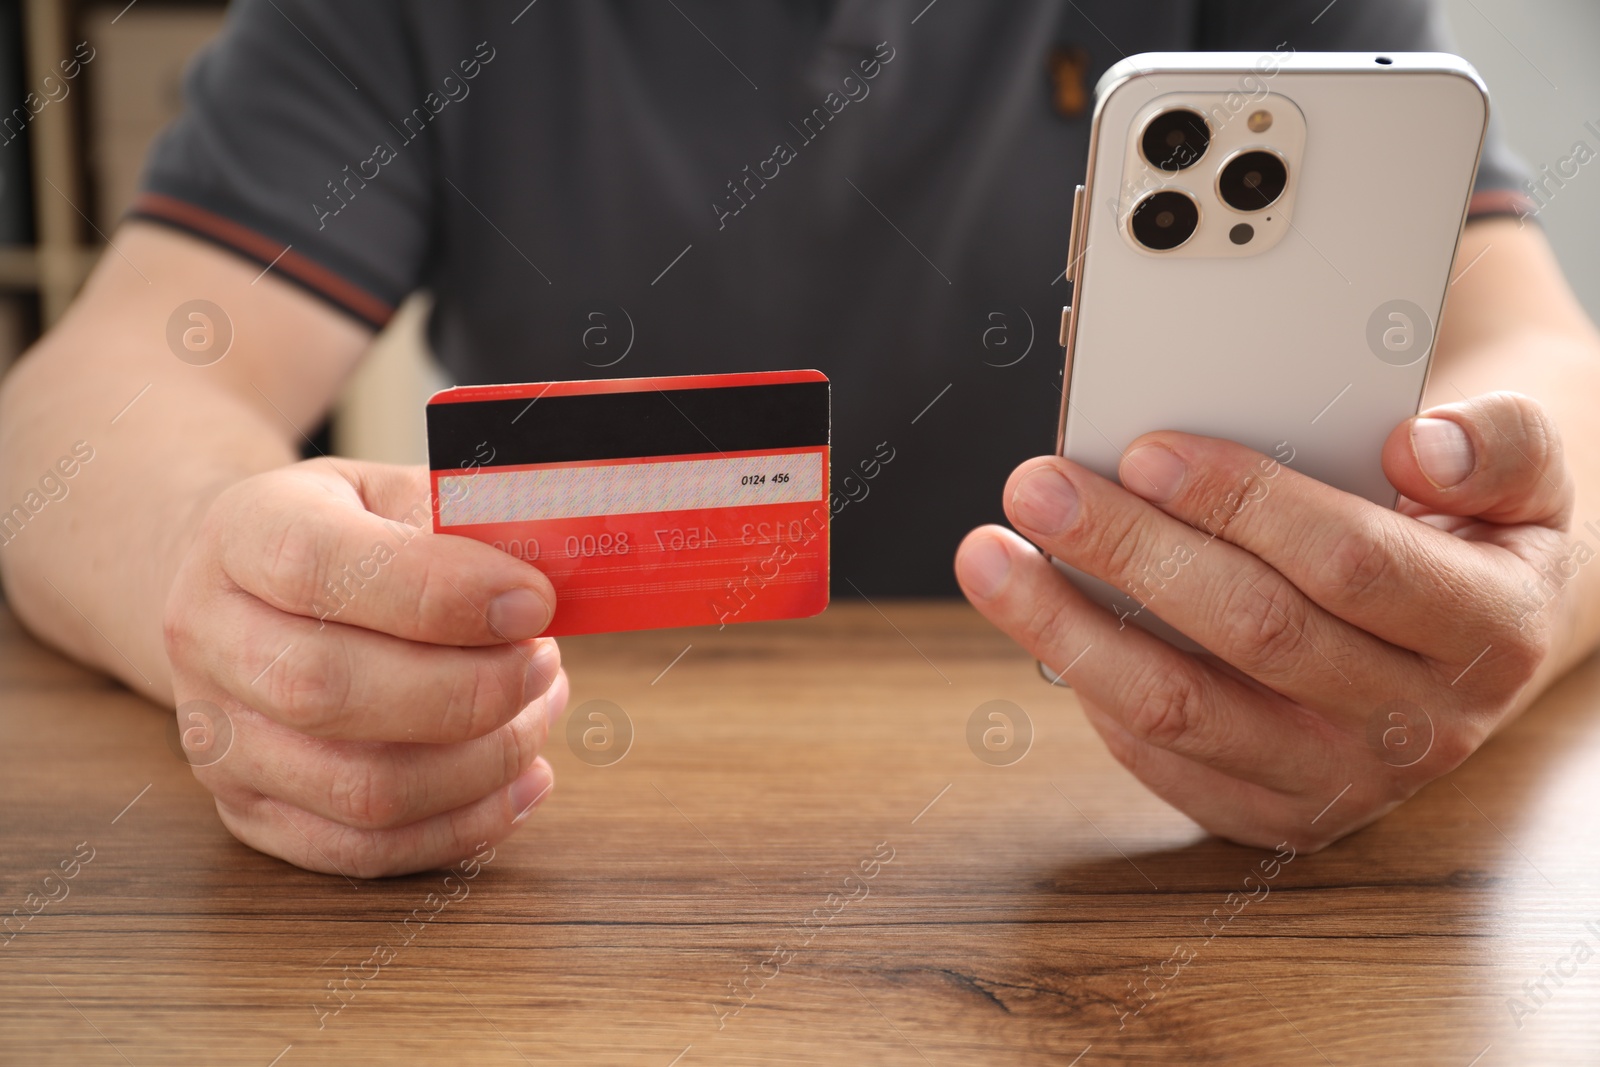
1512,324
90,569
87,559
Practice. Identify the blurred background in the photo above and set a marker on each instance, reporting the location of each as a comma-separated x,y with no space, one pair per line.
1537,57
71,172
68,172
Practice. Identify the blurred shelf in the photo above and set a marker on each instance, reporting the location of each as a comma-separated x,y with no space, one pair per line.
55,265
20,266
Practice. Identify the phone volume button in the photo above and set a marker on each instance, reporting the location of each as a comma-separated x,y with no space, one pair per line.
1074,238
1066,319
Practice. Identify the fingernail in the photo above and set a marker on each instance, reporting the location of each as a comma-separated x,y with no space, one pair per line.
982,567
1153,472
527,791
543,664
555,701
518,614
1443,451
1045,501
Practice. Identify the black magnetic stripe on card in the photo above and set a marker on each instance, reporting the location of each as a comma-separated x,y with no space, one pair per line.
594,426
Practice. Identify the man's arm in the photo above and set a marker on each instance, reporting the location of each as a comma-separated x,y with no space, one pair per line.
90,573
384,693
1513,323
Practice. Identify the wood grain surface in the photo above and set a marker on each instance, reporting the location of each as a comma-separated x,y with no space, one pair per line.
798,858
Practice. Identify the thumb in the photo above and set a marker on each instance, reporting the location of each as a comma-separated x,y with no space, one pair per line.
390,491
1496,457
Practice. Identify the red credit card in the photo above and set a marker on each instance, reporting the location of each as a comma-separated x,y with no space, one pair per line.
648,502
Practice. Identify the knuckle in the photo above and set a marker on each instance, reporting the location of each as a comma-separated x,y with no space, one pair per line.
1048,626
1360,562
363,853
295,561
1115,545
1514,651
513,749
367,795
1215,521
524,737
1165,709
1383,787
1530,426
1452,744
1125,747
310,693
314,843
188,599
1109,546
1262,628
483,696
1521,650
465,826
437,602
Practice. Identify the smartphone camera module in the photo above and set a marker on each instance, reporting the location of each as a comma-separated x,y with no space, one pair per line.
1252,181
1205,175
1163,221
1175,139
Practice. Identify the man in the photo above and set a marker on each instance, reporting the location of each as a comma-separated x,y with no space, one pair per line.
872,187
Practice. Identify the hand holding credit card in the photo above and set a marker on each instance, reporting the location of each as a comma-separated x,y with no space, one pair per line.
647,502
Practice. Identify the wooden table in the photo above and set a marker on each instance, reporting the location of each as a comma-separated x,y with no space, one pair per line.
799,859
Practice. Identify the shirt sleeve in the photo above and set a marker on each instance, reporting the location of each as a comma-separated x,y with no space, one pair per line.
1366,26
286,152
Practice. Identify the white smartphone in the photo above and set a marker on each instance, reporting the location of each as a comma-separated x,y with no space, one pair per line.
1261,251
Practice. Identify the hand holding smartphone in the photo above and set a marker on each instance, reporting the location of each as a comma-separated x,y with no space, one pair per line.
1261,251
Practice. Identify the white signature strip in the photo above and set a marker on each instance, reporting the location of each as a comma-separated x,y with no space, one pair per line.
628,488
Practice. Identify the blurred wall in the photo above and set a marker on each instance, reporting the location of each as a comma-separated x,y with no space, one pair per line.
380,414
1539,59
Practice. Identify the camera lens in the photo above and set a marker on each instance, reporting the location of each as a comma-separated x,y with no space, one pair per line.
1175,139
1252,181
1163,221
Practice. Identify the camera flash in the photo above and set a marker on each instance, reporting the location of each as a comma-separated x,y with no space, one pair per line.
1260,121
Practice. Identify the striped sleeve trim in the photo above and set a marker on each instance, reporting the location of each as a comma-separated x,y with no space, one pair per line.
1492,202
271,254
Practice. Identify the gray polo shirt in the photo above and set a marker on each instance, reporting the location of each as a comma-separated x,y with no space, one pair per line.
614,188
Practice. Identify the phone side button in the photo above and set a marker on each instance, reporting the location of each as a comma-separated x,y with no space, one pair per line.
1066,317
1051,676
1075,236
